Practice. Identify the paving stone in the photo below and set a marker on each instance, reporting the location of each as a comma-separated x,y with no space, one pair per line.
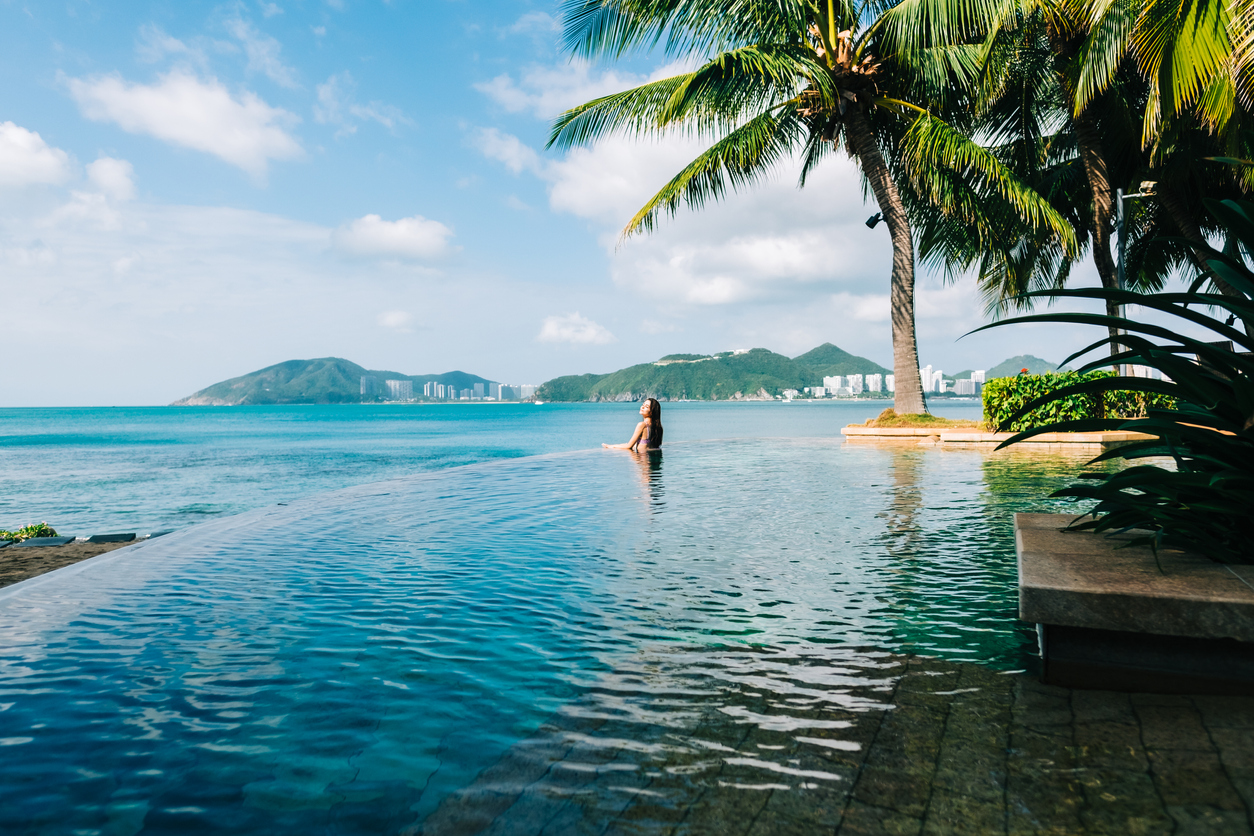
1110,744
1121,801
1172,727
962,815
868,820
1186,777
1194,820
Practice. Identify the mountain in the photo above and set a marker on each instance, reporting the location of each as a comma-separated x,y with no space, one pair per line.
729,375
1011,367
827,360
321,381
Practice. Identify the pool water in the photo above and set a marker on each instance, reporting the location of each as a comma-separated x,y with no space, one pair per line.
347,663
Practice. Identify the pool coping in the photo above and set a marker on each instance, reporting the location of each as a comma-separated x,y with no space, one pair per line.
1112,615
968,436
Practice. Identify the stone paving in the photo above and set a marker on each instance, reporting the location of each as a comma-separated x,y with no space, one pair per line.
929,747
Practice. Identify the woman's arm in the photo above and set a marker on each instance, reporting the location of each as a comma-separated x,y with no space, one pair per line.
635,438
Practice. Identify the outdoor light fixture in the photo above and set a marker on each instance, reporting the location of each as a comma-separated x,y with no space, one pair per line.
874,219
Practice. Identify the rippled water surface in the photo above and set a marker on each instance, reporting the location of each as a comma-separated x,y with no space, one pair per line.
348,663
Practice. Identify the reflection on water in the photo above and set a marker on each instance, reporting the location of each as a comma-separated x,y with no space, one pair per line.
349,663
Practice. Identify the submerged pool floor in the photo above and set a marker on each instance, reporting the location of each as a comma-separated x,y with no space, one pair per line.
780,635
931,747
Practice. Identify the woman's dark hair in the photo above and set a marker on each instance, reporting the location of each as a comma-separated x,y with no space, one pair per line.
655,423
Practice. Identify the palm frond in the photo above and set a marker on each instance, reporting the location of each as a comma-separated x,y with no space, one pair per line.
739,158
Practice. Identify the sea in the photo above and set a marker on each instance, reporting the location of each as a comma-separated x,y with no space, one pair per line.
107,470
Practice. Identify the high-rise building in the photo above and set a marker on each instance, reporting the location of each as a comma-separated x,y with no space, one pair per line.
508,393
890,382
938,381
438,391
464,395
494,391
925,378
478,392
978,376
966,386
855,384
369,386
527,390
875,383
400,390
834,382
428,389
818,391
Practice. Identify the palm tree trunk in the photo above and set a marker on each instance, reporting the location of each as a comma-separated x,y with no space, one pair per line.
908,397
1170,200
1090,146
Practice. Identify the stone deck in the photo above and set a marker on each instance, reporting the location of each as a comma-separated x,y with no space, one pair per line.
935,748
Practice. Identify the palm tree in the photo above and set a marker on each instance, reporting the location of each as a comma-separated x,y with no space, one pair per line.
782,77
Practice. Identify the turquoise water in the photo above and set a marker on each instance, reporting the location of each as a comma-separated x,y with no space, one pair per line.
345,662
92,470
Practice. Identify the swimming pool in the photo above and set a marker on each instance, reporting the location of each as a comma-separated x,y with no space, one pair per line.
348,662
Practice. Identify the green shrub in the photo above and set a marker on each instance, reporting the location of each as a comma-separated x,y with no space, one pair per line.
1203,503
1005,397
29,531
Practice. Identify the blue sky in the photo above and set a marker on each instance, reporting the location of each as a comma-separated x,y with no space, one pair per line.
191,191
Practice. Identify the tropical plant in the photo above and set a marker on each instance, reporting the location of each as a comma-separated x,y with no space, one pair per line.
1004,398
27,532
806,77
1204,502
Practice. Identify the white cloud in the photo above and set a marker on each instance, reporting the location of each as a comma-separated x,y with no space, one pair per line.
414,237
263,53
335,106
547,91
507,149
154,44
202,115
396,321
115,178
535,23
269,10
25,159
573,328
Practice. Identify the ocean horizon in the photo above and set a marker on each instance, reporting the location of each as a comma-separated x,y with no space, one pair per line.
93,470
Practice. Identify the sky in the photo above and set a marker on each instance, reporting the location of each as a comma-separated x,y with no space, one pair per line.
192,191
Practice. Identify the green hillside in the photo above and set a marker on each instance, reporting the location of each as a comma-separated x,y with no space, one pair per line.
827,359
1011,367
725,376
325,380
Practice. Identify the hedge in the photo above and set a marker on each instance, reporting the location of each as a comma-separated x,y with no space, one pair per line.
1004,395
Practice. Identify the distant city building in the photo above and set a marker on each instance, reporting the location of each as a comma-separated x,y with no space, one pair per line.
494,390
400,390
966,386
978,376
875,383
833,382
527,390
369,386
508,393
437,391
890,382
938,381
478,393
925,378
791,393
464,395
819,391
854,382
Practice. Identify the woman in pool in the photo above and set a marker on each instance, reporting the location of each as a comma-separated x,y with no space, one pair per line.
648,431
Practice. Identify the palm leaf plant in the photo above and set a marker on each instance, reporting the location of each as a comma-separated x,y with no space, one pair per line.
1203,503
780,78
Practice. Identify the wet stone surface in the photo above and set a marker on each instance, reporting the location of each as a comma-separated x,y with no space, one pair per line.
881,745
